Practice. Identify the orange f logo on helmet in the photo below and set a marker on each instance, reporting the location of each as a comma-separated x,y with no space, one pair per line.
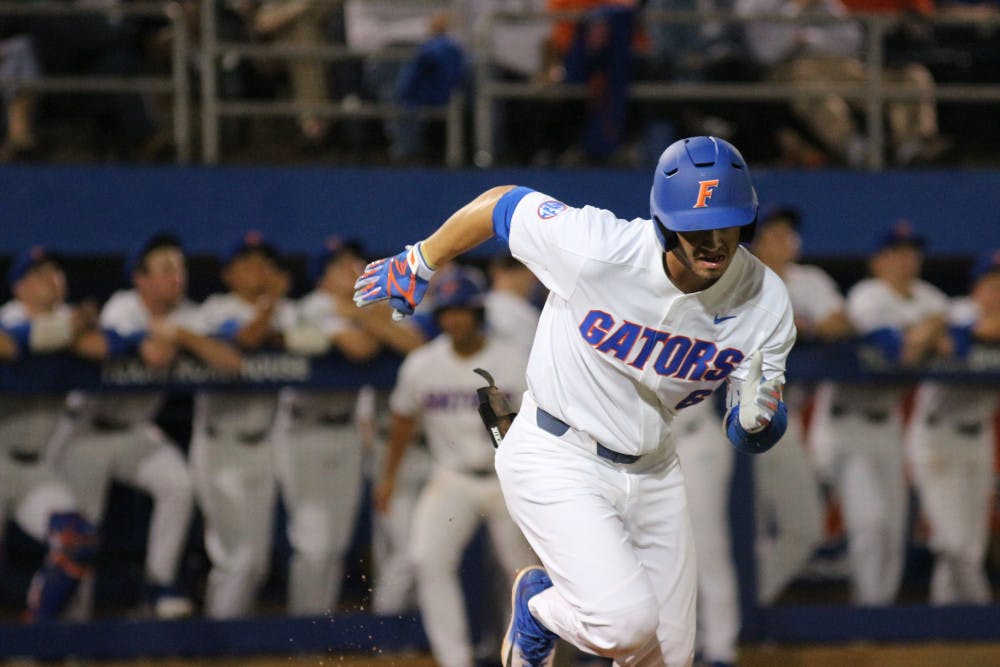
705,189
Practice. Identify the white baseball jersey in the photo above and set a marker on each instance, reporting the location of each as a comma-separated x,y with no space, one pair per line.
439,387
127,315
245,413
630,347
813,292
871,305
318,308
512,318
27,421
814,296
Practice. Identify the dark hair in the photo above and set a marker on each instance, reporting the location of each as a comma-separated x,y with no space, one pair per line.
156,242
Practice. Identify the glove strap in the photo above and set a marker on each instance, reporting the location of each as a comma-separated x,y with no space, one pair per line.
418,263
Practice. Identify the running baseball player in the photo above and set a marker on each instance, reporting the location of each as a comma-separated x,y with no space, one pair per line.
37,321
318,451
856,430
111,436
232,458
644,318
436,389
950,447
788,503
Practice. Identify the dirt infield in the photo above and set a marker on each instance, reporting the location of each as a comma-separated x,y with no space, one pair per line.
855,655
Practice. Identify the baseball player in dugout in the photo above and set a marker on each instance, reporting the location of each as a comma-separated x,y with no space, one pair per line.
436,389
37,321
232,460
856,430
644,318
950,446
112,437
318,449
787,499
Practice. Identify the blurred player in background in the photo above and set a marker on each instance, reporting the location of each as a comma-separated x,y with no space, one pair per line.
856,430
436,389
643,319
318,450
37,321
510,313
951,441
112,436
707,459
787,498
232,458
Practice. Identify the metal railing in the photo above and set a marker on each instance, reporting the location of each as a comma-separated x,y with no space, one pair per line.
176,84
213,108
873,91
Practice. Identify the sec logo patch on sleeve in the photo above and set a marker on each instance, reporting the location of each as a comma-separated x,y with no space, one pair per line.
550,209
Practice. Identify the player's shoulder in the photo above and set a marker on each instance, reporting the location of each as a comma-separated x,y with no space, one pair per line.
868,288
122,302
807,273
929,291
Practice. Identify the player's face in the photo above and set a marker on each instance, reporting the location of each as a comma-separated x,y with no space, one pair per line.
461,325
700,258
164,278
341,274
249,275
777,243
43,287
898,264
986,293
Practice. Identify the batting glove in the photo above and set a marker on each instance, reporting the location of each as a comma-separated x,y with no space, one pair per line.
758,398
401,279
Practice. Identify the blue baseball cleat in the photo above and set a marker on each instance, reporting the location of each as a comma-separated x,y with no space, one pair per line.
527,642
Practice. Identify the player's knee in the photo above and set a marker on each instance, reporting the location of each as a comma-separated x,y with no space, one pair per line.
623,632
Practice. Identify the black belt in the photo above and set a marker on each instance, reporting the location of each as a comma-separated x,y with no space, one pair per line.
336,420
873,415
557,427
109,425
23,456
479,472
253,438
968,429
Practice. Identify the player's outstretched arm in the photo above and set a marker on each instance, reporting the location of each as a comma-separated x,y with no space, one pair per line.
759,420
403,279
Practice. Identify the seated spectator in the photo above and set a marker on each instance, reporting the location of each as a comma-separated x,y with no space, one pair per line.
18,64
300,23
830,53
98,44
426,80
596,50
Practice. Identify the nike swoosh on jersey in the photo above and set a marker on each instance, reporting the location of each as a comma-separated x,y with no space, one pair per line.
720,320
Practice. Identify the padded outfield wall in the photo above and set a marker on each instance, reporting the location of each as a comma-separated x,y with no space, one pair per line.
95,210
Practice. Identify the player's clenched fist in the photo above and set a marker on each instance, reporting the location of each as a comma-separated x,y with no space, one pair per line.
401,279
759,398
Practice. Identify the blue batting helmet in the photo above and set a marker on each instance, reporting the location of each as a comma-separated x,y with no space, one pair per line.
702,183
460,288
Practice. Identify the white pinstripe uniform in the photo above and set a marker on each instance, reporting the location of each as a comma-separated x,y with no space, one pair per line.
631,351
856,435
112,437
950,443
318,464
787,498
232,460
30,489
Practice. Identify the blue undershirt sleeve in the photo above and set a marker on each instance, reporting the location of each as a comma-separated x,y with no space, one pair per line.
504,211
761,441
